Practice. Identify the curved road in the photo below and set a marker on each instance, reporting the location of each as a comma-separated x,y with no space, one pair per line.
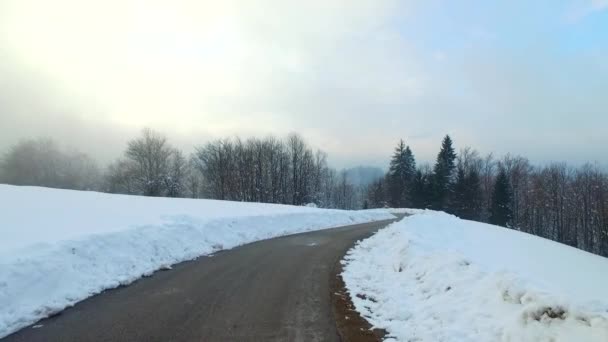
272,290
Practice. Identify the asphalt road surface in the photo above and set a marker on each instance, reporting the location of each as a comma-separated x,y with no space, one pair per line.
272,290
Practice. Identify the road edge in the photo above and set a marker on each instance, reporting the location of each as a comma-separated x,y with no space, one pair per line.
349,323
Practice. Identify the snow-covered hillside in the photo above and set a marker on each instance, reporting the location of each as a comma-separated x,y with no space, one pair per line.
434,277
58,247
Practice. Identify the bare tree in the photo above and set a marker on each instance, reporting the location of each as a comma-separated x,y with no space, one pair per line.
176,175
268,170
193,181
150,167
296,149
121,178
488,171
150,157
518,170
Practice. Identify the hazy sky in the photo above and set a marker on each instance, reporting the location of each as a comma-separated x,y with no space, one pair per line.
352,76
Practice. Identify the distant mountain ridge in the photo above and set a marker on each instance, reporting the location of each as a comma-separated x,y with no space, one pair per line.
363,175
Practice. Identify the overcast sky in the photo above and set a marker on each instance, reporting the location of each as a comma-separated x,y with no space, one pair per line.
351,76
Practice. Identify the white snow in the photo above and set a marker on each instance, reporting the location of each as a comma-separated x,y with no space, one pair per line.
58,247
434,277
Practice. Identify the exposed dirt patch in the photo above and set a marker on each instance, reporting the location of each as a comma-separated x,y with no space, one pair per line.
351,326
547,313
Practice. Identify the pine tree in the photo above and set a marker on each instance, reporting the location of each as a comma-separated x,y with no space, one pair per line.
459,199
474,196
401,173
467,196
365,204
500,212
421,191
442,182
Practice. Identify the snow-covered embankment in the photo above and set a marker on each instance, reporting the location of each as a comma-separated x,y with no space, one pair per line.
434,277
58,247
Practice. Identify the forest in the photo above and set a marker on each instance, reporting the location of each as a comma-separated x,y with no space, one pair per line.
555,201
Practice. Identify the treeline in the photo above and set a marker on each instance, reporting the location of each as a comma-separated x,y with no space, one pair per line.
41,162
271,170
555,201
564,204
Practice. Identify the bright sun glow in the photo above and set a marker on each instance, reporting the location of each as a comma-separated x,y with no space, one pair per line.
149,57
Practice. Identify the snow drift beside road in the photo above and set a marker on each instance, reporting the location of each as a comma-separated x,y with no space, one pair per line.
434,277
58,247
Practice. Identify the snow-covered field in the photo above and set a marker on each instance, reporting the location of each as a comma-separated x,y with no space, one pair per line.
58,247
434,277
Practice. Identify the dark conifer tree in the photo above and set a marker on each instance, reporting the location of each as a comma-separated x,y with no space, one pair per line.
474,196
421,191
376,195
365,204
443,172
500,212
401,174
458,202
467,196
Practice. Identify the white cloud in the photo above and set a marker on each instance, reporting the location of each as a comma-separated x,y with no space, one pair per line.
153,61
582,10
599,4
340,72
217,68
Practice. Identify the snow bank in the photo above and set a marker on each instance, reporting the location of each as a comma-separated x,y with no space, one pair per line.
59,246
406,211
434,277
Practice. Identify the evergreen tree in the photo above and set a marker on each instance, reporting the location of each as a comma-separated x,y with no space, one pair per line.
421,191
410,163
375,194
500,212
365,204
442,182
401,173
458,202
474,196
467,196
